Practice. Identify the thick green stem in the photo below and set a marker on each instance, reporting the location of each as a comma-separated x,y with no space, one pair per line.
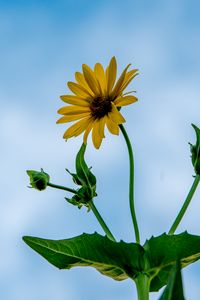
185,205
142,284
60,187
131,184
101,222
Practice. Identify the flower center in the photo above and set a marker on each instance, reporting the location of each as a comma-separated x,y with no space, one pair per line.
100,107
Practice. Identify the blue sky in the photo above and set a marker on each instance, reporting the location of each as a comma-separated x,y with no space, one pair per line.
42,44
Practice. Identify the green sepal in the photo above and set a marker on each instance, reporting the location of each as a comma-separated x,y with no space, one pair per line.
118,260
174,288
84,174
74,177
85,179
162,253
195,151
75,200
82,197
38,180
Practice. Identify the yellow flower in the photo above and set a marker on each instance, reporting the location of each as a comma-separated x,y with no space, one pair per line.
96,101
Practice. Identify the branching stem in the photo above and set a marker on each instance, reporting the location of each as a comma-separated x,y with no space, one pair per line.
185,205
60,187
101,222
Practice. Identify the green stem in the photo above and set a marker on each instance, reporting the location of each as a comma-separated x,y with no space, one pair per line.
185,205
101,222
93,208
142,284
131,184
60,187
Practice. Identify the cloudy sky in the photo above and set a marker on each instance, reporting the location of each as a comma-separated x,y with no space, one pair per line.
42,44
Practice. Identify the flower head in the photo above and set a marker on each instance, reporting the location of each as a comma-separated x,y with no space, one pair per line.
96,100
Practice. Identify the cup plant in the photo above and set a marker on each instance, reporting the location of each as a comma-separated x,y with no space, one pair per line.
95,103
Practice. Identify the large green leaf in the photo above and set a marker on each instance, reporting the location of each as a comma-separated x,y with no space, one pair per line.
116,260
163,251
174,288
120,260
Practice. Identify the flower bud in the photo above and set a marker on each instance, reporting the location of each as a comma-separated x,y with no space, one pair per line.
38,180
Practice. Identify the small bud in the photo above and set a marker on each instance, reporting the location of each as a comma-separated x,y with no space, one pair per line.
195,151
38,180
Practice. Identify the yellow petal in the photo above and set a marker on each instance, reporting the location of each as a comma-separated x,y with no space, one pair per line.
112,126
90,79
77,128
102,122
96,138
82,128
100,76
126,100
106,73
81,79
75,100
119,83
73,110
111,74
70,118
78,89
127,80
130,74
116,116
87,131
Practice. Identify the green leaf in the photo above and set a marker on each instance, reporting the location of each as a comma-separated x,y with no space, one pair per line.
84,174
116,260
197,130
120,260
174,288
195,150
74,177
163,251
